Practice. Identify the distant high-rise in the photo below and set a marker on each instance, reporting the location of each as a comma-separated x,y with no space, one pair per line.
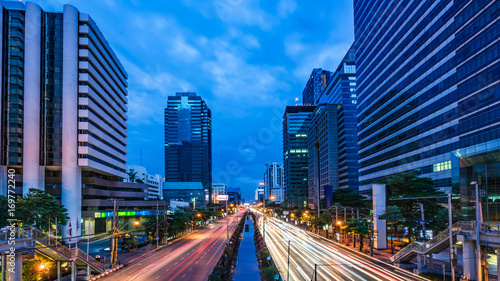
428,94
296,123
273,178
315,85
188,140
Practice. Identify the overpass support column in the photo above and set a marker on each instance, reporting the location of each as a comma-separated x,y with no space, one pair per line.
88,270
498,263
58,270
74,271
469,259
14,267
4,264
430,261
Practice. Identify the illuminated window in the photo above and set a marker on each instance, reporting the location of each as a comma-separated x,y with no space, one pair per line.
443,166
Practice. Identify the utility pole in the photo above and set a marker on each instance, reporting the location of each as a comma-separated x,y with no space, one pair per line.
264,222
114,241
450,223
371,241
478,229
157,224
345,221
288,270
227,220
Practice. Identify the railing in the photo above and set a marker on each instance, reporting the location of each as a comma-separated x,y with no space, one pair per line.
412,246
52,243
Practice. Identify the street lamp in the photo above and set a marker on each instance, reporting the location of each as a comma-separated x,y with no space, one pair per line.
478,228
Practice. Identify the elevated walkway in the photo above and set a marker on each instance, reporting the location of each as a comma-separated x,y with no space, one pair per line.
32,239
489,232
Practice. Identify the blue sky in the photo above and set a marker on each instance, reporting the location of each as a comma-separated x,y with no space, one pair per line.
247,58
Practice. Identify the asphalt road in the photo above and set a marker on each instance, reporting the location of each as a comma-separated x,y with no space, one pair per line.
190,258
334,261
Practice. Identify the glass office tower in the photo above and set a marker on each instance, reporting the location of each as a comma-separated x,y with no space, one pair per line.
188,140
315,85
296,123
428,91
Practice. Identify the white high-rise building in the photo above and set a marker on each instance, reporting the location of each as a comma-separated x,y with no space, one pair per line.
63,111
154,182
218,189
273,177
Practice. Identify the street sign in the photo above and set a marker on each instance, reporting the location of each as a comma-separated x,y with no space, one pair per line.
222,197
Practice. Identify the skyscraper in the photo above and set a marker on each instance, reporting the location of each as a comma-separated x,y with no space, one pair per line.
273,178
323,168
63,110
341,91
296,123
315,85
188,140
428,91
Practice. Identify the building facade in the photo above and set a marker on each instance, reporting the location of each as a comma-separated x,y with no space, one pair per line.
278,194
188,140
427,76
341,91
62,131
323,161
218,189
315,85
154,182
192,192
273,178
296,123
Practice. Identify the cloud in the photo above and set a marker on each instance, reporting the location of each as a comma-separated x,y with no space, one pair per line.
313,55
286,7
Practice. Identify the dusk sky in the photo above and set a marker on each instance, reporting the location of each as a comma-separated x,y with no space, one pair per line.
247,59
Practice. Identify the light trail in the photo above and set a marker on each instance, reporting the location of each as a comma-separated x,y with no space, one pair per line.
335,262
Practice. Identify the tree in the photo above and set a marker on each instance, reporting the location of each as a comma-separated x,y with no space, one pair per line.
406,186
359,227
132,176
323,220
394,216
347,197
37,208
150,226
4,209
269,273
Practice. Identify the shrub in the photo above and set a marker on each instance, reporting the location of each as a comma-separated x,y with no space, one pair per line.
269,273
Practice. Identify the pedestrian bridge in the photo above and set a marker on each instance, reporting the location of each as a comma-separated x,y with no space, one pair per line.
32,239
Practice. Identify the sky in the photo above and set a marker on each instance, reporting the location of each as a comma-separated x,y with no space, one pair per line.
247,59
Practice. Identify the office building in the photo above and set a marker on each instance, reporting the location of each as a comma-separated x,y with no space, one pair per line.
315,85
63,131
428,94
273,178
192,192
323,159
154,182
278,195
218,189
188,140
296,123
341,91
234,195
259,195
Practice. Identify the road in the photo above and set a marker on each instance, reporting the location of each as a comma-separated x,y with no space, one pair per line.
335,262
191,257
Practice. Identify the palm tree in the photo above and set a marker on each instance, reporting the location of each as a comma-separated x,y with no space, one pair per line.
132,176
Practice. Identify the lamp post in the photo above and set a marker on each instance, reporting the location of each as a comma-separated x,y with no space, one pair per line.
450,222
478,229
288,270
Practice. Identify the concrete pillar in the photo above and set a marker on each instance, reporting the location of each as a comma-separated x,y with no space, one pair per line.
109,225
379,226
14,267
430,261
33,175
74,271
71,193
88,270
4,264
469,260
59,271
89,224
419,263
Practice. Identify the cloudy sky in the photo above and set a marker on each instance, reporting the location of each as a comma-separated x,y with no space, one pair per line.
247,58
